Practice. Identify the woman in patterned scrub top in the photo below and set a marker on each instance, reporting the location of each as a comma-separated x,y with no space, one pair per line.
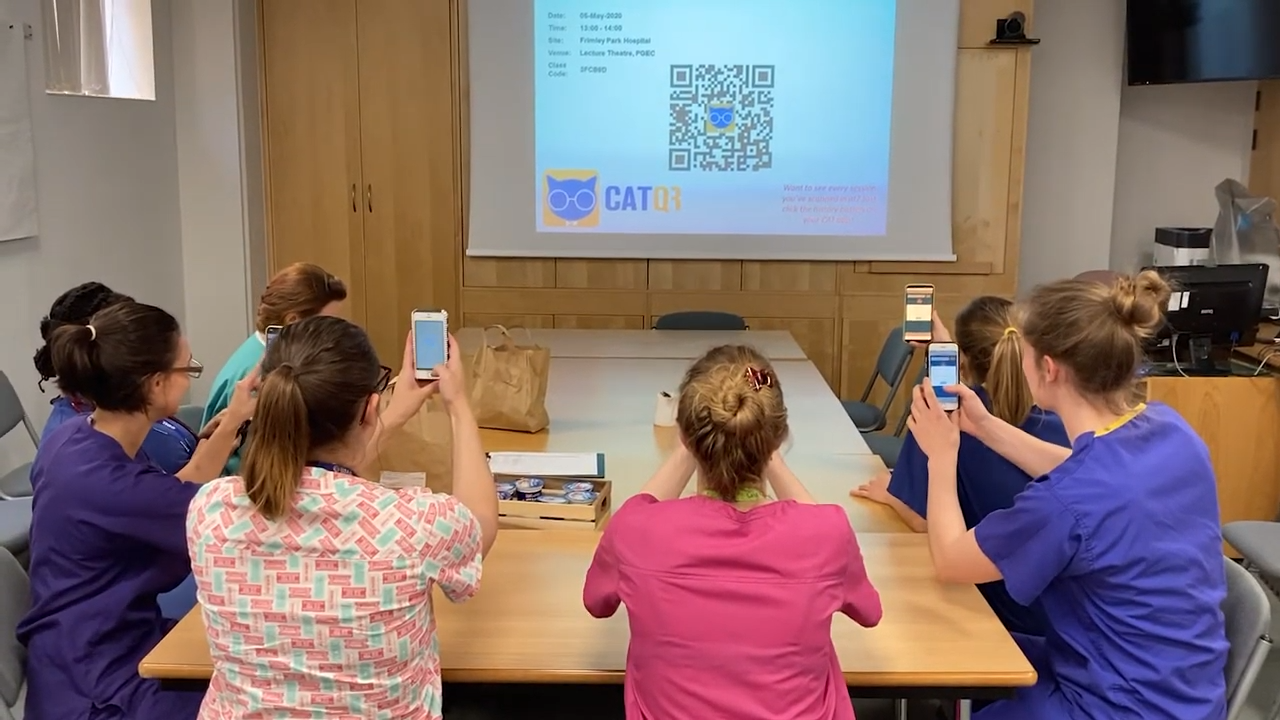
317,584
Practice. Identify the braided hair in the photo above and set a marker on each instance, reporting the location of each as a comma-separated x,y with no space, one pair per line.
76,306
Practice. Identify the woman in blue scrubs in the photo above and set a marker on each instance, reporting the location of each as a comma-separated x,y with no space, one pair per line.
1119,541
990,363
108,529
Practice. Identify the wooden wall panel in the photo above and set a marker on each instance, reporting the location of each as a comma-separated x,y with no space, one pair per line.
839,312
1264,167
601,322
512,320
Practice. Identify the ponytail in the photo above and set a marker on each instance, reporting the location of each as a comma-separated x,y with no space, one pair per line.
76,364
278,446
1011,399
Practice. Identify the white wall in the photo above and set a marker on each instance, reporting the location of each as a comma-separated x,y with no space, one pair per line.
107,186
1107,163
213,189
1072,133
1176,143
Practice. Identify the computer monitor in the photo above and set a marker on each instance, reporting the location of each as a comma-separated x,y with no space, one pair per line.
1215,306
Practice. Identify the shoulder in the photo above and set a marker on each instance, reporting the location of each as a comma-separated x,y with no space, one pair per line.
241,361
219,491
1046,426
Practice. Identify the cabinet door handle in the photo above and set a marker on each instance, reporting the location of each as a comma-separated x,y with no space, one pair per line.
354,207
368,197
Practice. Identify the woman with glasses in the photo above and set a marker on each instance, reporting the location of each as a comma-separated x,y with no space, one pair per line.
316,584
108,529
299,291
170,443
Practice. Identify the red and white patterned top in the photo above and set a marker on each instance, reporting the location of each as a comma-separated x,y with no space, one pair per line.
327,611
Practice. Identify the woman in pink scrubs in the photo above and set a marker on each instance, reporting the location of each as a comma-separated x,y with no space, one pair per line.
108,528
1118,539
730,592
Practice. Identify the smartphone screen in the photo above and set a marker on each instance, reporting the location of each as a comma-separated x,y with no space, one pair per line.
944,370
918,322
429,344
272,333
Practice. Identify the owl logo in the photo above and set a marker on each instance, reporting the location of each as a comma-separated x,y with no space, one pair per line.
720,118
569,198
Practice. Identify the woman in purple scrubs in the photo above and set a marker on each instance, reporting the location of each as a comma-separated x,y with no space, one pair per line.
170,443
1119,540
991,363
108,529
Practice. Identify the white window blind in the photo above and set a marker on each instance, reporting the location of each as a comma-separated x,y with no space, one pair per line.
100,48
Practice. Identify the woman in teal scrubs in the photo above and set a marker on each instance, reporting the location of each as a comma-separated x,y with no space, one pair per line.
299,291
991,362
1119,540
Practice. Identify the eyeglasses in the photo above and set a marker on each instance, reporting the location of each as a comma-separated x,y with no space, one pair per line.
193,368
384,379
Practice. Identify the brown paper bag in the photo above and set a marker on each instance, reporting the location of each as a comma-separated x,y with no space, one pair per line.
423,445
509,384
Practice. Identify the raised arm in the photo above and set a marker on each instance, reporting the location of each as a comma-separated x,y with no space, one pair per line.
673,476
1032,455
785,484
212,453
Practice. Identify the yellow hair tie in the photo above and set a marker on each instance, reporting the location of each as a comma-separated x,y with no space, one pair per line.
1011,330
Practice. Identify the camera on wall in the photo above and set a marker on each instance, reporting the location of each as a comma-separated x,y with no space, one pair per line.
1012,30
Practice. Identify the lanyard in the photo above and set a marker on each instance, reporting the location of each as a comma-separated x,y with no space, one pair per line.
337,469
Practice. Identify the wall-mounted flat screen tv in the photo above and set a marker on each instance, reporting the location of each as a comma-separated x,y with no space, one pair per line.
1189,41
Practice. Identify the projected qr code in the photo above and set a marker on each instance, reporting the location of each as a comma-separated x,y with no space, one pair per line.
721,118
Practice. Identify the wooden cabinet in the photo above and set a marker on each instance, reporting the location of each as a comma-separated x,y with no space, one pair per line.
1238,418
357,97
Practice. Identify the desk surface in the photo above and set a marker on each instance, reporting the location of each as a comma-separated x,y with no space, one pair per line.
652,344
595,404
527,625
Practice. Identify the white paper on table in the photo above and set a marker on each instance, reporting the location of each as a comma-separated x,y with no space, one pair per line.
17,148
397,480
553,464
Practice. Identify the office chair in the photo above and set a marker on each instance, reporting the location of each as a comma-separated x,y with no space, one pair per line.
1247,611
891,367
17,482
889,447
15,600
700,320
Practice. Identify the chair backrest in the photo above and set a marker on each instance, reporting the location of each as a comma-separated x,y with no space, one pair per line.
895,356
191,415
11,412
906,411
15,600
1247,612
700,320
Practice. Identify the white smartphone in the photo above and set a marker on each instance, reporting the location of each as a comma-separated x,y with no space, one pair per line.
273,332
944,371
917,319
430,342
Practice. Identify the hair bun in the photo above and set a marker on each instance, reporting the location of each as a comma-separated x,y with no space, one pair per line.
1140,300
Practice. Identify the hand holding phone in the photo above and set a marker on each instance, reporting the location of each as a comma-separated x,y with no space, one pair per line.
944,371
917,320
430,342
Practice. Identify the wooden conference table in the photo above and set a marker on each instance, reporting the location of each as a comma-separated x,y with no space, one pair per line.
527,624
